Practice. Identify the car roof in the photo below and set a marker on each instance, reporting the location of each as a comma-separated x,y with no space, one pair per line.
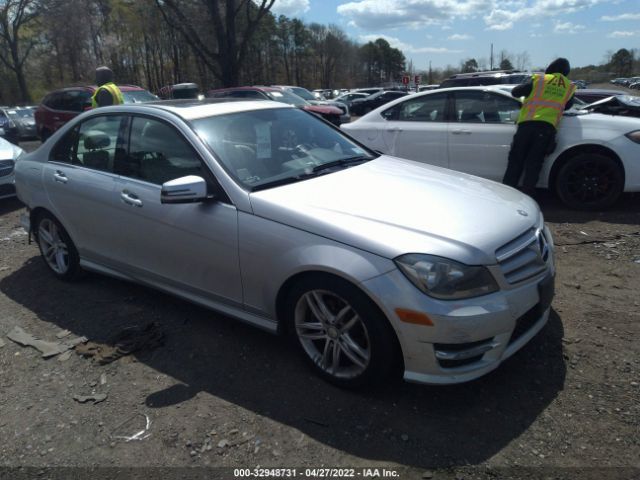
193,109
252,88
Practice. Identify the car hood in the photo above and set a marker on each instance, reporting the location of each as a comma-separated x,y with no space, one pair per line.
390,206
625,105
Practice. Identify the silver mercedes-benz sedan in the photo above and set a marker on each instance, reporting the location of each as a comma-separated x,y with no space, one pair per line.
268,214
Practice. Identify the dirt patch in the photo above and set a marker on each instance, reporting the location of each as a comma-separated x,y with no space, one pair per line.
220,394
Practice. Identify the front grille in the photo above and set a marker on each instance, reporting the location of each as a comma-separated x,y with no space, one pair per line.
6,167
523,257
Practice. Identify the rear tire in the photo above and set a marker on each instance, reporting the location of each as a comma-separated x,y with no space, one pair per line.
590,181
56,247
340,331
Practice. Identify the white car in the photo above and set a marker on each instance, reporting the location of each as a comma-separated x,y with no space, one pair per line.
9,153
470,129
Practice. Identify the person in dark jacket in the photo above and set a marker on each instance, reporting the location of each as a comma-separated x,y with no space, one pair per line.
108,92
546,97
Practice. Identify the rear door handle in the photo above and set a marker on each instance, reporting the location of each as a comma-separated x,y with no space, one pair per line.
60,177
461,132
130,198
394,129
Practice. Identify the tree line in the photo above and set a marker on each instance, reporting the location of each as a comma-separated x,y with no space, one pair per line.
46,44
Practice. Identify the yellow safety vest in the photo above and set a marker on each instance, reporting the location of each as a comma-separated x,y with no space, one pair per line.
113,89
549,94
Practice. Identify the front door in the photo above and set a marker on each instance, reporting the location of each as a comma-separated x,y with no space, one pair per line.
191,249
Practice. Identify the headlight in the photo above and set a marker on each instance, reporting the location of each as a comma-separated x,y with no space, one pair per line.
446,279
17,152
634,136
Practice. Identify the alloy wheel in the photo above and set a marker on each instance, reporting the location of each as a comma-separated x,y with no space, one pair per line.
332,334
54,249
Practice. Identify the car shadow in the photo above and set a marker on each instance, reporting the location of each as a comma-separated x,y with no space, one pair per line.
412,425
9,205
625,211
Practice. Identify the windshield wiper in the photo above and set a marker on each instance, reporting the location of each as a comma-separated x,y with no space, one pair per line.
282,181
341,162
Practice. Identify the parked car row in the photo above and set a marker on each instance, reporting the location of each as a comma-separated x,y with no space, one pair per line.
631,82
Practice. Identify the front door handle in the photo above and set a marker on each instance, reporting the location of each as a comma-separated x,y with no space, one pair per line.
461,132
130,198
394,129
60,177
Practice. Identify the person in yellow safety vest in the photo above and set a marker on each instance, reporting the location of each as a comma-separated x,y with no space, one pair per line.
546,97
108,92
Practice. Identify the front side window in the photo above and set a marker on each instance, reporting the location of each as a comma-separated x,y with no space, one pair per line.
76,100
427,108
485,107
263,148
157,153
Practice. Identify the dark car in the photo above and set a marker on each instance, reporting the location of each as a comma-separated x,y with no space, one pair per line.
8,128
329,113
310,97
349,97
179,91
25,122
60,106
361,106
475,79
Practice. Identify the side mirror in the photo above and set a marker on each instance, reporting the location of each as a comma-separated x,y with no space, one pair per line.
189,189
513,115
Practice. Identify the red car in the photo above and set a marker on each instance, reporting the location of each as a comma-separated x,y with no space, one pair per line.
331,114
60,106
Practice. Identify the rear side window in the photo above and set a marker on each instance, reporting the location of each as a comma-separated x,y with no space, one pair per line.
77,100
93,144
427,108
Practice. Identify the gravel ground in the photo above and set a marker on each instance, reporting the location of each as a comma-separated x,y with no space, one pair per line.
221,394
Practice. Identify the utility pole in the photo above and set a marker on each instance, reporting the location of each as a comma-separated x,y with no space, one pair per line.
491,58
430,80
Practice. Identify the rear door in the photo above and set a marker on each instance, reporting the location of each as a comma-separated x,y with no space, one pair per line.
189,248
80,184
417,129
480,132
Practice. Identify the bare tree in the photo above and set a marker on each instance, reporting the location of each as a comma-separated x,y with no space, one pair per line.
234,23
14,50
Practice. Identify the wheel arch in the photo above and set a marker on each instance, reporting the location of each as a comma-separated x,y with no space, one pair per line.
285,288
574,151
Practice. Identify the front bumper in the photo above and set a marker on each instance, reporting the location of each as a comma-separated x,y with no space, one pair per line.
469,338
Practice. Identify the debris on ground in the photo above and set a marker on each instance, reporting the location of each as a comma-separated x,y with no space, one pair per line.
63,333
95,398
126,342
2,344
63,357
48,349
139,423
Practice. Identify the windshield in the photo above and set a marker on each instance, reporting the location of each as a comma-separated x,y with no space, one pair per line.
287,97
138,96
265,148
303,93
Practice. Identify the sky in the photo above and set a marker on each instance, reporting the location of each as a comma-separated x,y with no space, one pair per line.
447,32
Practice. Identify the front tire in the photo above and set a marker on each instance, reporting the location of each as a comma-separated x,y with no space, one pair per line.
590,181
340,331
56,247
